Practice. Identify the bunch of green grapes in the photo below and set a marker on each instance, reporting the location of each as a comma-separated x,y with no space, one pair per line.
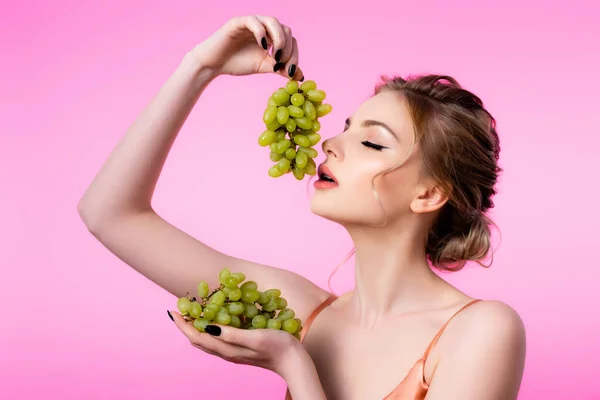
239,304
292,122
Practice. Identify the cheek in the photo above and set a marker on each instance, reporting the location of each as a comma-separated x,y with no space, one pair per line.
395,190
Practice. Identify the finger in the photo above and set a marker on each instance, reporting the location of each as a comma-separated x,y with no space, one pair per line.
258,30
210,344
289,44
293,70
275,31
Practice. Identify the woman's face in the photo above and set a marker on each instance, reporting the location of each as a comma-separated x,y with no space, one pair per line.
377,137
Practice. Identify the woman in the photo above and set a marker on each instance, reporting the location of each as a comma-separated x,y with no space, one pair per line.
414,172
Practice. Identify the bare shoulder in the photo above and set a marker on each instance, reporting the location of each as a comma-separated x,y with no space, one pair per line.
481,353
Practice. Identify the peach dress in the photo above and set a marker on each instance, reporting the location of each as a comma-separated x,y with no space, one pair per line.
413,386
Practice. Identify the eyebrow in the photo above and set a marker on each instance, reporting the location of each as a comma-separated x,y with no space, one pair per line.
370,122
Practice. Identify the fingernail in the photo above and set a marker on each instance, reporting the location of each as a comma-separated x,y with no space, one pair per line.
278,66
292,70
170,316
302,79
212,330
264,43
278,55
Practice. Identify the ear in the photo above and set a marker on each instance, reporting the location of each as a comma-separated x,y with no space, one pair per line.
429,198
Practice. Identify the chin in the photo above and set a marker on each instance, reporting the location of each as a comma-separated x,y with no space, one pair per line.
341,211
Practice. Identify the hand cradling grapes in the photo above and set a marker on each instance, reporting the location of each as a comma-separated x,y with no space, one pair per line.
292,121
240,305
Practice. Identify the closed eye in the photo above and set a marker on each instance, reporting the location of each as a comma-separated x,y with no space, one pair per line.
373,145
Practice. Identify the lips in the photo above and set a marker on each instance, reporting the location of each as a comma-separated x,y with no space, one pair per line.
325,174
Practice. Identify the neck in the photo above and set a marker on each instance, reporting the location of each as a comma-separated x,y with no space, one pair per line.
392,273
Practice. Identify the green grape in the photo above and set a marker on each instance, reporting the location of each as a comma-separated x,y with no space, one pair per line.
226,291
297,99
314,138
236,308
291,87
283,146
290,326
235,322
273,126
299,324
301,160
295,111
302,140
282,115
297,336
223,318
218,298
200,323
203,289
308,86
249,285
266,138
235,294
183,305
250,296
283,164
290,125
195,310
304,123
274,172
223,274
280,136
210,312
240,277
270,114
275,157
323,110
271,305
273,147
281,303
267,315
286,314
273,293
290,154
298,173
316,126
309,110
231,282
259,322
281,97
263,298
251,311
316,95
311,167
309,151
274,324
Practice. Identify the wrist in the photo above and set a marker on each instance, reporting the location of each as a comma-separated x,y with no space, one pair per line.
193,60
299,372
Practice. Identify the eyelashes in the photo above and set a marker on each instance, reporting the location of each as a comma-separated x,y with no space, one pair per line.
373,145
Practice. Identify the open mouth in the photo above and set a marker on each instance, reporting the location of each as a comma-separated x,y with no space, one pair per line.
325,174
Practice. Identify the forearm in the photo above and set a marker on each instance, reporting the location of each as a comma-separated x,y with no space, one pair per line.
127,179
301,377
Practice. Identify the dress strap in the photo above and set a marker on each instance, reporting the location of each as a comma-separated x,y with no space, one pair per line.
439,334
306,325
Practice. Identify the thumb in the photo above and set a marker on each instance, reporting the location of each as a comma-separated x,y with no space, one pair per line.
235,336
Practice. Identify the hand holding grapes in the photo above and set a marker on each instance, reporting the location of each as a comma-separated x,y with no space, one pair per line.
271,349
240,47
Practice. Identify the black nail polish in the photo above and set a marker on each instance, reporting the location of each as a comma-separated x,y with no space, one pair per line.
278,55
292,70
278,66
170,316
212,330
302,79
264,43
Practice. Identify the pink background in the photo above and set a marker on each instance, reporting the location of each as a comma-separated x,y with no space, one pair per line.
79,324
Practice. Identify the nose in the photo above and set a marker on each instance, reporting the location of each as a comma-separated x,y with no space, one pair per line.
331,147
